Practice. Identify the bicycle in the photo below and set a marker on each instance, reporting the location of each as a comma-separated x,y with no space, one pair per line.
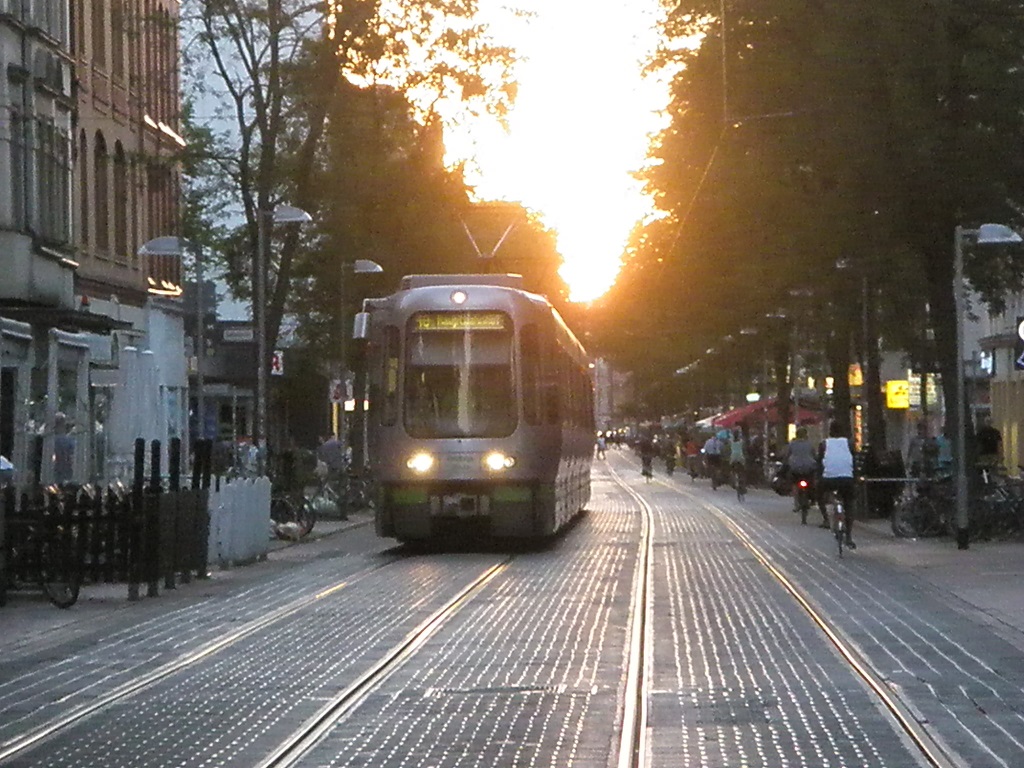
802,497
739,480
45,555
292,518
838,520
925,509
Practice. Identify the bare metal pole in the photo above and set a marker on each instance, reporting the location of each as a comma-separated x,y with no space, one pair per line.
961,427
197,254
260,315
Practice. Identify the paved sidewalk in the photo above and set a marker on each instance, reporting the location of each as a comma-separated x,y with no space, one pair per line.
986,580
29,619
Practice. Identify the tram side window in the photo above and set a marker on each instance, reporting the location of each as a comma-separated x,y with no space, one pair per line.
389,411
531,374
552,387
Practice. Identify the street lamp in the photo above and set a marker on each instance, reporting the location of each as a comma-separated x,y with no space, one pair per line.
172,246
986,234
282,214
358,267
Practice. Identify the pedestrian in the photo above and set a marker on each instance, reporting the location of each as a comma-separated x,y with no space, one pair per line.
602,445
990,444
63,450
331,453
920,451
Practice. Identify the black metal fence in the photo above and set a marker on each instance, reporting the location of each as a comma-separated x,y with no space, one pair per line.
150,532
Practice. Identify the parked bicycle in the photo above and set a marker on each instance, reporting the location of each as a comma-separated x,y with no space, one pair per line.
926,508
42,553
291,517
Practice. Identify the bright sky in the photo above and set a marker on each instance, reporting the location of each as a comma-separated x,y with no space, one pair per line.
579,129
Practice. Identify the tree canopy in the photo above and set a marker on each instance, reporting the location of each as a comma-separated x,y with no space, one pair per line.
819,155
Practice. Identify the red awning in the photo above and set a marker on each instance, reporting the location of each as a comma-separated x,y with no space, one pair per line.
761,411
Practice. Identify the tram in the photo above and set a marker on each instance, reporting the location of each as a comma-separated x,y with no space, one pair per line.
481,415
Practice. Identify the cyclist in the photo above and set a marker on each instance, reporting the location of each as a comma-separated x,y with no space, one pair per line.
836,459
713,458
802,464
737,458
647,451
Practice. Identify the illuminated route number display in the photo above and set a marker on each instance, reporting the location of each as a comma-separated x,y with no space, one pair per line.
427,322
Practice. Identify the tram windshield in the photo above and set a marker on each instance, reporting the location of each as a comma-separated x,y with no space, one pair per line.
458,380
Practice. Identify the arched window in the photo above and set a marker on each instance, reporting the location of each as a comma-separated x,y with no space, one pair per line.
120,202
101,193
83,189
99,33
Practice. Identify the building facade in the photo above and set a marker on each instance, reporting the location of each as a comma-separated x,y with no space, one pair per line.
91,333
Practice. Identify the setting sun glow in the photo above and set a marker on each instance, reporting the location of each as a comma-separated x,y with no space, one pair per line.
579,130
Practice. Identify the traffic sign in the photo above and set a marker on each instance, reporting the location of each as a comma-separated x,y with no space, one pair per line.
897,394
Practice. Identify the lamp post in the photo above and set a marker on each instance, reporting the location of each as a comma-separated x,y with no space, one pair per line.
358,267
265,220
986,234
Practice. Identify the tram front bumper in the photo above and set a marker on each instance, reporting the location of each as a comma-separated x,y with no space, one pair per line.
417,511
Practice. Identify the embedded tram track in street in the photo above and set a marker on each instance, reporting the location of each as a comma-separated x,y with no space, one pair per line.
292,750
633,751
902,715
53,727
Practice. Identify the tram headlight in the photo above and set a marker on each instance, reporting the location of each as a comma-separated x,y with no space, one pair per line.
496,461
420,463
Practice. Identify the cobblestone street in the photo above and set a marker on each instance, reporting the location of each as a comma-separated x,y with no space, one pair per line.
508,658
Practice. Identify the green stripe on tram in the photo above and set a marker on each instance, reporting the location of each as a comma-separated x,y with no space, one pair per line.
512,493
409,496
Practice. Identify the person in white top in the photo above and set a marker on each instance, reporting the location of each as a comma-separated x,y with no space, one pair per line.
836,459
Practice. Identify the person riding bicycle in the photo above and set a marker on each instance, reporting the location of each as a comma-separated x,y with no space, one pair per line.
802,464
737,456
835,457
647,451
668,453
713,449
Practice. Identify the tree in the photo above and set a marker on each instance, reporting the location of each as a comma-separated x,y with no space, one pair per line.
841,133
268,73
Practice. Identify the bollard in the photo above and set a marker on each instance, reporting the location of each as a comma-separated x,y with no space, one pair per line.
174,464
136,519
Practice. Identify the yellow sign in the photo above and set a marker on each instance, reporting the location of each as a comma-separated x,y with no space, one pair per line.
459,321
897,394
855,376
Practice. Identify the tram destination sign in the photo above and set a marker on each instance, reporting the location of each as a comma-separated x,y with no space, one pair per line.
425,322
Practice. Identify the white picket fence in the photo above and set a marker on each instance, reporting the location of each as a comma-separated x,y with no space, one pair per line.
239,521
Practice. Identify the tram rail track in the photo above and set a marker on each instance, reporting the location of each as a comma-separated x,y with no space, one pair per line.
902,713
54,726
303,739
633,749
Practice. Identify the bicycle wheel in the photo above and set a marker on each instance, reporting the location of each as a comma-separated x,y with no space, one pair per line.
741,487
59,571
306,517
281,510
908,516
839,516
